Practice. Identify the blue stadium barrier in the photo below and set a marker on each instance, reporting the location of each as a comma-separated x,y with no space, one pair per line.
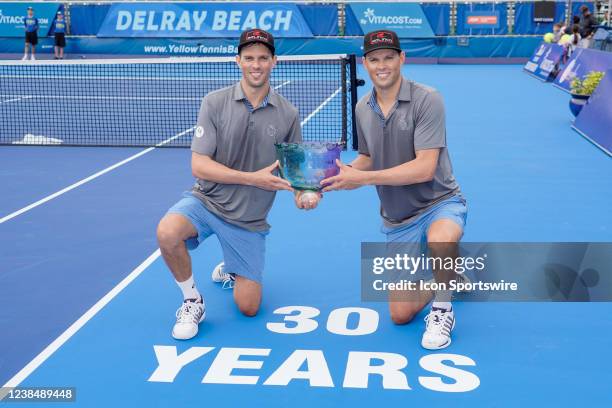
595,119
351,25
484,49
523,18
86,19
321,18
438,16
464,10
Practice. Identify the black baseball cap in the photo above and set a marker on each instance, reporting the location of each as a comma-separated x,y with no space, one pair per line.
256,36
380,39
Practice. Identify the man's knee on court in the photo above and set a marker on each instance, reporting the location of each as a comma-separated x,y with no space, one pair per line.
247,295
403,315
248,308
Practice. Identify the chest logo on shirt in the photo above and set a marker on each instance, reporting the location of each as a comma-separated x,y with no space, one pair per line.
199,131
403,124
271,130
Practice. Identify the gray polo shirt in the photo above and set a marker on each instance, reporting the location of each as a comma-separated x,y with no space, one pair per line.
241,137
416,122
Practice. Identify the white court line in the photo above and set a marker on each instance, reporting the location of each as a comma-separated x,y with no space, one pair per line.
92,177
128,98
281,85
76,326
16,98
325,102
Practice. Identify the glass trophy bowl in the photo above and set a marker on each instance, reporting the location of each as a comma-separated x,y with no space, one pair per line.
304,165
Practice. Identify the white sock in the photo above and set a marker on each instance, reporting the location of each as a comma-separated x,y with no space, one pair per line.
189,289
443,305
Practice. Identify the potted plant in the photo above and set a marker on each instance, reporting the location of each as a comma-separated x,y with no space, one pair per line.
581,90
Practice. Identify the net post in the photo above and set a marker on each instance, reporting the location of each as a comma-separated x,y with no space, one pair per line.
344,137
354,84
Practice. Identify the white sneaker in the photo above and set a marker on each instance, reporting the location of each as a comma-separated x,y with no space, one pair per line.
25,58
188,317
439,324
218,275
33,58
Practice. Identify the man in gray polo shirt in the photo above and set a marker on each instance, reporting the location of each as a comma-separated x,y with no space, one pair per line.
402,151
234,161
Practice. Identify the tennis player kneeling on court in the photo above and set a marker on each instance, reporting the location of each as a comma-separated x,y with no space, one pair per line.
402,151
234,161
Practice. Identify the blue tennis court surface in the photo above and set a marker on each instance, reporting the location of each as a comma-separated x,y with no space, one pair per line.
527,178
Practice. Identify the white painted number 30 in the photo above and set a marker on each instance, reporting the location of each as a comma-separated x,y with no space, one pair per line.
300,320
303,320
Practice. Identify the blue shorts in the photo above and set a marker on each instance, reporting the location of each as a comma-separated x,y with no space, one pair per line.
453,208
243,250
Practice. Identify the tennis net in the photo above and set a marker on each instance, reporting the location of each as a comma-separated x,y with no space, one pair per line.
155,102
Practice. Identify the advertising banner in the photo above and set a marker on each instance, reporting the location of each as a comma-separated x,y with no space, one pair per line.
482,19
583,61
12,15
407,19
184,20
595,119
545,61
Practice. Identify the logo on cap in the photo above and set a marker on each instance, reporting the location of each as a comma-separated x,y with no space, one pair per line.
256,35
381,37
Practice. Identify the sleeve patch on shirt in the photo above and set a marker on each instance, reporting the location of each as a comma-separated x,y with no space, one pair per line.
199,131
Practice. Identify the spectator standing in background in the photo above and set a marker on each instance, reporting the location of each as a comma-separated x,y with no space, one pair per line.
60,35
31,34
587,26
